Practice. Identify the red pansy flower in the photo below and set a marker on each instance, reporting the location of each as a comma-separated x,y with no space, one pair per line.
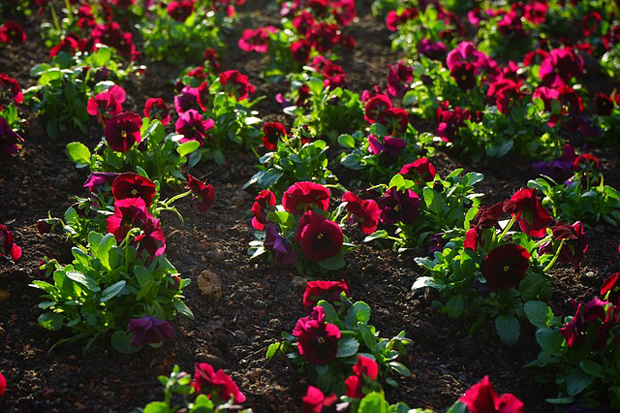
12,32
180,10
216,383
420,169
10,141
323,290
505,267
575,243
7,244
272,133
302,196
320,238
531,216
484,218
482,398
156,108
128,214
265,199
399,206
315,400
193,127
317,341
375,106
236,84
132,185
122,131
365,370
365,212
395,120
202,193
611,289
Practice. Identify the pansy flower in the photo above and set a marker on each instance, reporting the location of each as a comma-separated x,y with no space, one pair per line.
156,108
505,267
216,383
202,193
122,131
317,341
149,330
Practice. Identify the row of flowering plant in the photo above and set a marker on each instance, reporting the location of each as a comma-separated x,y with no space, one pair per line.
489,271
11,121
579,353
215,111
335,340
300,231
309,29
209,391
319,98
292,158
583,195
422,207
65,85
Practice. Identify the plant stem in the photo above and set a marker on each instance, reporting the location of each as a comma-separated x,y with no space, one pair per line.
555,257
55,18
508,226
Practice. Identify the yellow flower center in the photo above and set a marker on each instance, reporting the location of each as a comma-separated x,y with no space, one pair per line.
506,268
123,134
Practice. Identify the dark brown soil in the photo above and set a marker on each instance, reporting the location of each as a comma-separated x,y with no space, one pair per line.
259,300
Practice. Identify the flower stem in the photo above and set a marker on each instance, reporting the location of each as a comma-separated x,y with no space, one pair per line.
177,197
555,257
55,18
508,226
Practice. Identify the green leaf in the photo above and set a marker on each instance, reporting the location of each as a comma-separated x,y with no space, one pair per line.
535,287
143,275
269,178
577,381
457,407
397,181
347,347
538,313
376,235
157,407
186,148
83,280
120,341
273,349
368,338
399,368
455,306
346,141
373,403
433,200
508,329
182,308
592,368
358,313
112,291
334,263
79,154
550,341
51,321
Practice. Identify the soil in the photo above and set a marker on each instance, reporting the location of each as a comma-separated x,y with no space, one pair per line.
259,300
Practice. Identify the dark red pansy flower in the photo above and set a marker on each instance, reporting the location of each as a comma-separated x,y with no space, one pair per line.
180,10
611,289
12,32
394,19
202,193
450,121
302,196
128,214
536,12
187,100
7,244
560,66
315,400
104,106
434,50
365,212
591,23
156,108
236,84
585,162
323,290
399,206
421,169
210,55
531,216
149,330
122,131
604,105
97,180
484,218
323,37
375,106
303,22
265,199
256,40
152,238
300,50
369,94
365,370
390,145
482,398
216,383
464,75
570,99
272,133
399,78
395,120
317,341
205,97
320,238
505,267
69,44
576,329
9,91
193,127
10,141
111,35
132,185
575,243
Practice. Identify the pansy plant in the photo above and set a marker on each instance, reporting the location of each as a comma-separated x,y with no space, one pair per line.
491,271
335,341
